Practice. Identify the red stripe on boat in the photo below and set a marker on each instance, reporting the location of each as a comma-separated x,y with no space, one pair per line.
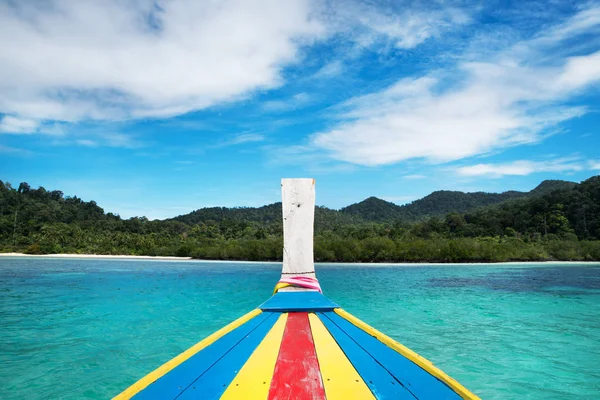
297,374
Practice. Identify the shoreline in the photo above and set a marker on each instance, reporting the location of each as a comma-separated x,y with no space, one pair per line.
99,256
174,258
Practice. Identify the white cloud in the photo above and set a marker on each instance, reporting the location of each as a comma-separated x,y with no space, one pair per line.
14,150
311,159
107,139
241,139
594,165
86,142
296,101
120,140
329,70
70,61
246,138
75,60
413,177
580,71
13,125
18,126
520,168
405,27
587,20
479,107
410,29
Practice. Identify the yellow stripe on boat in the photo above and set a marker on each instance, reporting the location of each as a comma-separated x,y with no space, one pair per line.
409,354
280,285
254,379
340,379
169,365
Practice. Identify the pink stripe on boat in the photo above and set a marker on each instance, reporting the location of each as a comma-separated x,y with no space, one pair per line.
303,282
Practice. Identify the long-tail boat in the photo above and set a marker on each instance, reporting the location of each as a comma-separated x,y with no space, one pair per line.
298,344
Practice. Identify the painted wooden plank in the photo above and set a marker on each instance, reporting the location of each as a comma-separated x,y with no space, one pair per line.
254,379
171,364
297,374
340,378
382,384
298,203
420,382
212,383
179,378
298,301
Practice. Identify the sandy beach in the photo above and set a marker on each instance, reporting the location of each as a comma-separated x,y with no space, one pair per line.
105,256
173,258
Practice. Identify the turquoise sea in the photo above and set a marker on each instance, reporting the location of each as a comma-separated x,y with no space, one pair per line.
81,328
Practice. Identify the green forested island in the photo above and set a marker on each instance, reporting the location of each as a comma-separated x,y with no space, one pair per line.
557,220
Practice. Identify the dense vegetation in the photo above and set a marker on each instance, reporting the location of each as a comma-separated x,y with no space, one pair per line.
557,220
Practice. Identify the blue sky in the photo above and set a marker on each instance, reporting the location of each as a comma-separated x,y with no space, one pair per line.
158,108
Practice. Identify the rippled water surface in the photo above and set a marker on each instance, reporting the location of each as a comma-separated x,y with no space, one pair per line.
75,328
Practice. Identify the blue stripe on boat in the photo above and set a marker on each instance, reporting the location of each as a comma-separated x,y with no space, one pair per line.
418,381
179,378
298,301
381,383
215,381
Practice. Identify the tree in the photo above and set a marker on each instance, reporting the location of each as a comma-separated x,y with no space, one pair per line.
24,187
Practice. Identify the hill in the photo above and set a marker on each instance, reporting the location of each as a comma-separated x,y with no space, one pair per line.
442,202
325,218
265,214
373,209
551,185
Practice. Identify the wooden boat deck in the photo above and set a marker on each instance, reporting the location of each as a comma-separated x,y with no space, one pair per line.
297,345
